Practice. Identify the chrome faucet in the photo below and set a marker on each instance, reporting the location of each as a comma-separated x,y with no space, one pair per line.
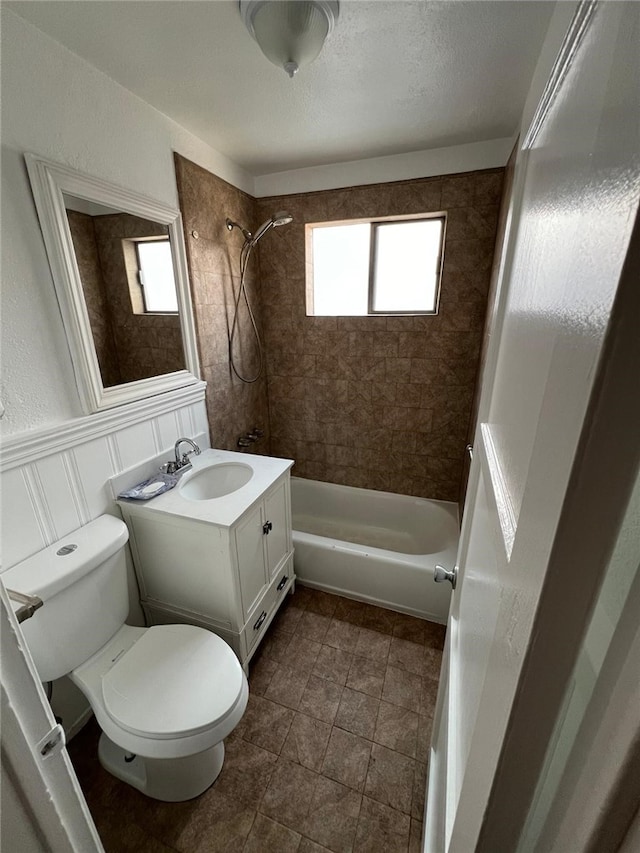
181,461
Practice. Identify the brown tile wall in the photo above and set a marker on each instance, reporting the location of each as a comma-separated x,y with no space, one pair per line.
379,402
84,242
214,257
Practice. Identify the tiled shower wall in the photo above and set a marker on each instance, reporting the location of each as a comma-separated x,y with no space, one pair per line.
379,402
214,255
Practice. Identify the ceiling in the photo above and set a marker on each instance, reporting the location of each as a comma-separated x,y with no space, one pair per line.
395,76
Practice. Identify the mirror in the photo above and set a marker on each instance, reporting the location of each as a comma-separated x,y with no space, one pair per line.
119,269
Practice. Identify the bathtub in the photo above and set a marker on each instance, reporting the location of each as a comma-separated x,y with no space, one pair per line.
374,546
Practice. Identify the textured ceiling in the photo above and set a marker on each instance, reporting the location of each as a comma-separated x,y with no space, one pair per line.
394,76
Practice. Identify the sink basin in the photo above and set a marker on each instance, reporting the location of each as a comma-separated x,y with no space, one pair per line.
215,481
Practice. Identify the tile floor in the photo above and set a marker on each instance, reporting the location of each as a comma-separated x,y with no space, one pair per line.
330,755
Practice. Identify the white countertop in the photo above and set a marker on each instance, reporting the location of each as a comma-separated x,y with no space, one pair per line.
226,510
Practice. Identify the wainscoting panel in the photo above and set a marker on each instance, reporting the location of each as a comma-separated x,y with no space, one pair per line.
21,519
95,466
59,495
135,443
51,486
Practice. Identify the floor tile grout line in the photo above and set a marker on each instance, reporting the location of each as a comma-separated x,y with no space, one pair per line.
246,841
343,688
320,773
372,742
318,776
381,698
154,836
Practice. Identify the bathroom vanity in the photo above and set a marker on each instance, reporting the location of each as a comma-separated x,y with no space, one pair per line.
216,550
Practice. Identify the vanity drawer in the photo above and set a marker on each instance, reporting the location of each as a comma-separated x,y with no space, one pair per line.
263,613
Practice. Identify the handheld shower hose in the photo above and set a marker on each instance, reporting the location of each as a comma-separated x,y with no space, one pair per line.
250,240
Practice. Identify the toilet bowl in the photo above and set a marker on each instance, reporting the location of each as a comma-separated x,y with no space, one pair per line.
164,706
165,697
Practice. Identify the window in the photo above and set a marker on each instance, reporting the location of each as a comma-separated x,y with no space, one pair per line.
155,276
375,267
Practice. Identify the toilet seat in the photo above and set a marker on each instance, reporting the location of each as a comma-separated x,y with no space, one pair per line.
176,681
129,705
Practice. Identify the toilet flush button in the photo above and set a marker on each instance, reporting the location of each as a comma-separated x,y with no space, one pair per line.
65,550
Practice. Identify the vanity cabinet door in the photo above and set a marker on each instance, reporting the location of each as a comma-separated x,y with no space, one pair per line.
251,569
277,540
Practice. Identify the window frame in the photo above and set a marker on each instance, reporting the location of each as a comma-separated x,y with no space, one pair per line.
136,243
374,223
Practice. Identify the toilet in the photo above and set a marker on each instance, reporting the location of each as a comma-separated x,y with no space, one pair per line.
165,697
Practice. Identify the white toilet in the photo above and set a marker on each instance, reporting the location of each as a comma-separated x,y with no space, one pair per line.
165,697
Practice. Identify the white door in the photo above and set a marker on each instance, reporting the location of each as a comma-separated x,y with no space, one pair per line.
43,808
574,204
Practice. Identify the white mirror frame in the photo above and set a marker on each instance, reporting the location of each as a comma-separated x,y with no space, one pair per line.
48,182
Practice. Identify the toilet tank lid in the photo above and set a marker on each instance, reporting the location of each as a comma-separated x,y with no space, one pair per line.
48,572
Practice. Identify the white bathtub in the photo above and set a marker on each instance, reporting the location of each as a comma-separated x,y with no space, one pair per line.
374,546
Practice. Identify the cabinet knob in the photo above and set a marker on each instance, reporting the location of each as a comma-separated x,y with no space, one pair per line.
267,527
261,619
282,582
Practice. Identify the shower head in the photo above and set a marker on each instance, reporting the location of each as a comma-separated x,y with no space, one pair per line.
279,218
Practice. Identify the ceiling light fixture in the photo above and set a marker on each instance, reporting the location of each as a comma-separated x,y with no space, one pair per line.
290,33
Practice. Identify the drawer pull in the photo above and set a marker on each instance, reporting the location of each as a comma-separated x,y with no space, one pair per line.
267,527
282,582
263,616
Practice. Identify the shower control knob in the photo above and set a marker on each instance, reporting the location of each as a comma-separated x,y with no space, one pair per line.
440,574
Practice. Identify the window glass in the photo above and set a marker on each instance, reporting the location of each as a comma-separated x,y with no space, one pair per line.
156,276
341,269
405,274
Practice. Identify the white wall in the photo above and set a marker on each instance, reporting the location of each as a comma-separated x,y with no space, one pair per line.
56,462
397,167
60,107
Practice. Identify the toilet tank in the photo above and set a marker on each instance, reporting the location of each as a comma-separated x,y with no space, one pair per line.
82,580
